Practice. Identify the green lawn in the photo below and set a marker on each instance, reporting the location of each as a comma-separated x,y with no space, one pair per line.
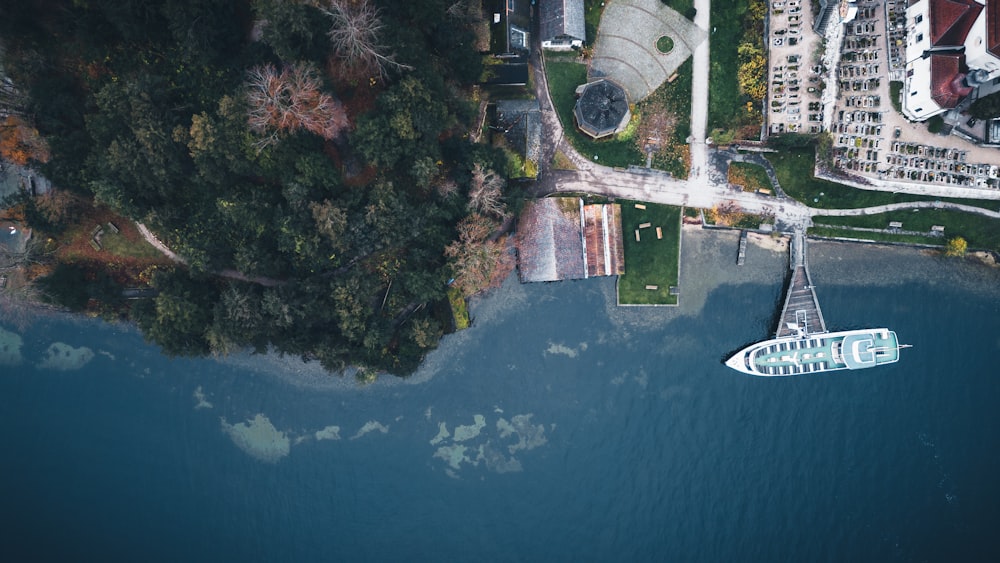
979,231
685,7
650,261
727,113
676,96
823,231
115,243
895,87
593,9
751,176
794,169
563,78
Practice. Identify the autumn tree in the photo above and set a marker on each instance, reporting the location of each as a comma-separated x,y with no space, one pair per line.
478,262
726,214
20,142
956,247
290,99
752,70
356,31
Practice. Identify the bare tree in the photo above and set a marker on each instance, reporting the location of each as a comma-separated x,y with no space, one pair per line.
291,99
478,262
356,35
486,193
465,10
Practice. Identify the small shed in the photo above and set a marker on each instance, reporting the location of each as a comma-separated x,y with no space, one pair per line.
601,108
520,122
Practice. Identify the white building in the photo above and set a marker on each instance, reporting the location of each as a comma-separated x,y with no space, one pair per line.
952,47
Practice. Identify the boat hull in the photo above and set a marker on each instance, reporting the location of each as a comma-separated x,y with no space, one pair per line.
818,353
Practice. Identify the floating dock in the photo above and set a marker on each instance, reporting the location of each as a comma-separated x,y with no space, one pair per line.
801,312
742,257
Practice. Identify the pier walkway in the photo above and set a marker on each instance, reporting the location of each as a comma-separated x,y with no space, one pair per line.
801,310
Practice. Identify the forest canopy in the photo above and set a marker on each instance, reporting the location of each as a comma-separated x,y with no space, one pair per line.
318,148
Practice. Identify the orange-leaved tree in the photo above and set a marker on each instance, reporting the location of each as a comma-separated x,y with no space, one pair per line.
20,142
286,100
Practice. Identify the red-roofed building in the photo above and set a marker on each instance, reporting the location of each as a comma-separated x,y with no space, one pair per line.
952,47
951,21
947,80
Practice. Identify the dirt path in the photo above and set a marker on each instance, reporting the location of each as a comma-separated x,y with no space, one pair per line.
230,274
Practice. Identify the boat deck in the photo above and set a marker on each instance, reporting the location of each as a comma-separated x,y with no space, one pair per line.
822,353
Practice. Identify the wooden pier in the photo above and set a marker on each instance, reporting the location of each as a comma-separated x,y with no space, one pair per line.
742,257
801,310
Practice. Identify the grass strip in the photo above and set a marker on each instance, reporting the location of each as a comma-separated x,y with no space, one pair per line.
977,230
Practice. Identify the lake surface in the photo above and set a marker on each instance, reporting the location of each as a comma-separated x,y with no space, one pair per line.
590,432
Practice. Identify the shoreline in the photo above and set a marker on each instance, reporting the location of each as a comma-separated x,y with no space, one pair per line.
709,262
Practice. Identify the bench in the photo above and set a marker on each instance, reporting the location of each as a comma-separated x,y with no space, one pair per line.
652,287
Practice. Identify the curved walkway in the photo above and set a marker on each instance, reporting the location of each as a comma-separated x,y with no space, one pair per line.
875,210
230,274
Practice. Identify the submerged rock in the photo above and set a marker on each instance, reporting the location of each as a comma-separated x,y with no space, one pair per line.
328,433
63,357
463,433
258,438
370,426
10,348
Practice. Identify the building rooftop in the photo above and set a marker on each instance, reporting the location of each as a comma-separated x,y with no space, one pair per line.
520,121
947,86
558,18
993,28
602,108
951,21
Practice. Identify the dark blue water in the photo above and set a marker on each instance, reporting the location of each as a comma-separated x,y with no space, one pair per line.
641,445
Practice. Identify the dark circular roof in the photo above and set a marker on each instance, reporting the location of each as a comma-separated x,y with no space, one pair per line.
601,108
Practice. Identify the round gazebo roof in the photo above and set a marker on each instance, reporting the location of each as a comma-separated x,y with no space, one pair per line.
602,108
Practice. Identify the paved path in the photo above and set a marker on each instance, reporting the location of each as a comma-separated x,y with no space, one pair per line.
652,186
699,93
909,205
